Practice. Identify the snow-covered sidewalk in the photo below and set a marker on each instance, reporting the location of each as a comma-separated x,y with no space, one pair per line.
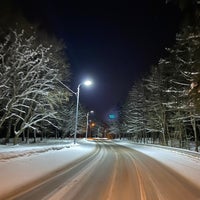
23,164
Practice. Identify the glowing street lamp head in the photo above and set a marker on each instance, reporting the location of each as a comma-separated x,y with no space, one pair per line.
87,83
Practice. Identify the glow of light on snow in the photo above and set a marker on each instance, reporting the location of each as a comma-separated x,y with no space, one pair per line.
22,164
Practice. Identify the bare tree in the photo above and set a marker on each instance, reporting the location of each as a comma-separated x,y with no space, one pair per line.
29,71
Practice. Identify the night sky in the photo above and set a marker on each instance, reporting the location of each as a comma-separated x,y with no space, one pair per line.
113,42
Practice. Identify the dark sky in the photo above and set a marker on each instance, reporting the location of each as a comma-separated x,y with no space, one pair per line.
113,42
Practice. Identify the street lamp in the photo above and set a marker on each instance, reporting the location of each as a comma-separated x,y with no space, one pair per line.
87,124
87,83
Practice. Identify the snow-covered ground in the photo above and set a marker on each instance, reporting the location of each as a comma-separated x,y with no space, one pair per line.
180,160
22,164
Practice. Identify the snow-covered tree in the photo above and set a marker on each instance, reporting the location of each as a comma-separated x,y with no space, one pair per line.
156,99
185,56
132,114
28,72
171,94
175,101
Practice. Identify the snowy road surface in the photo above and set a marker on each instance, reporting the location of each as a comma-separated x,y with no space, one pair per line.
115,172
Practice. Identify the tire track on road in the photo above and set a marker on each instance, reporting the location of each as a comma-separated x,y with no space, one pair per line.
50,183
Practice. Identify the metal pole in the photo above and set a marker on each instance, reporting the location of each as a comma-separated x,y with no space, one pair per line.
86,133
77,102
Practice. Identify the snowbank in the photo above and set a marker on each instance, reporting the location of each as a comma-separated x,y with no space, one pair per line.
22,164
185,162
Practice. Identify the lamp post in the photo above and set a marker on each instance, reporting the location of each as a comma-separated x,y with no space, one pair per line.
87,123
87,83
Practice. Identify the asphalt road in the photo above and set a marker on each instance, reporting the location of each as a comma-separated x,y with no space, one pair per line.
113,172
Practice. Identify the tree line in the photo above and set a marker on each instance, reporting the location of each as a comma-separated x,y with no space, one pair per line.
32,99
164,106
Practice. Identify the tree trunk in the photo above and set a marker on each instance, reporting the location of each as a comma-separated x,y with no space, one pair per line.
164,138
15,140
27,136
41,137
8,133
23,136
34,136
193,122
180,138
144,136
164,133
